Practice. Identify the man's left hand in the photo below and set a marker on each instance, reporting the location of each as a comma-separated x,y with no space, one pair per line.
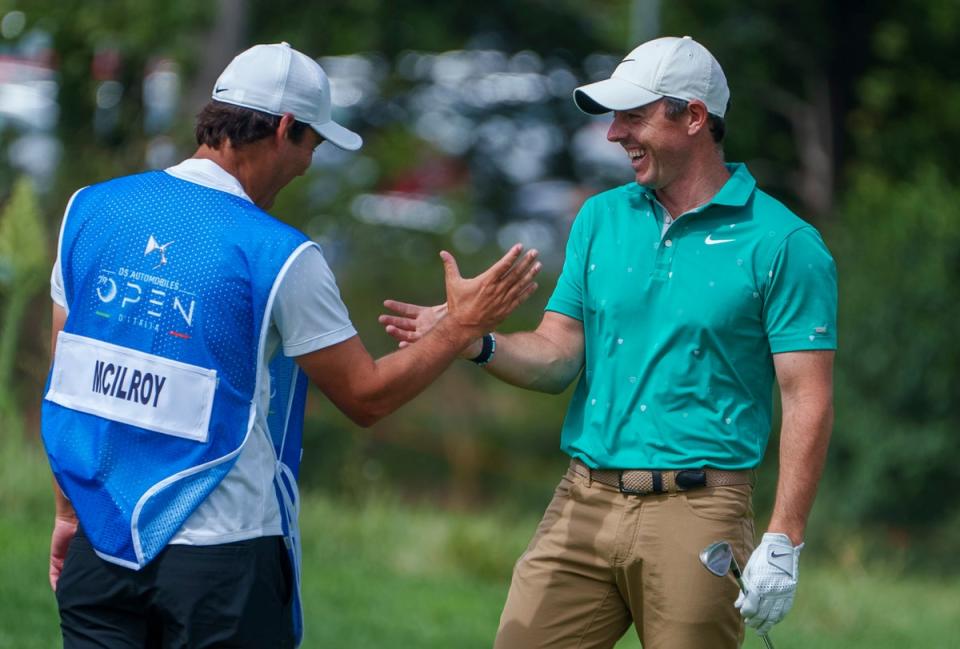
770,580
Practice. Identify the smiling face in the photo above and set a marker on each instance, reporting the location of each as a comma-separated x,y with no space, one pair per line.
658,146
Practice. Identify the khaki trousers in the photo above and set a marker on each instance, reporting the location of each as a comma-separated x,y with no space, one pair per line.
601,559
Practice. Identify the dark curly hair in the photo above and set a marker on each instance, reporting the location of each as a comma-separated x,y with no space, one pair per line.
218,120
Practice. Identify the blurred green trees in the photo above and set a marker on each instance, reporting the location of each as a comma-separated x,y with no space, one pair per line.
843,110
896,237
24,266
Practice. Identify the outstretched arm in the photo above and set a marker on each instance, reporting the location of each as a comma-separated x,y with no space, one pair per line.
367,390
546,359
65,519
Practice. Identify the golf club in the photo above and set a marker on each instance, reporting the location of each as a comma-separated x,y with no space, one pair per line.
718,559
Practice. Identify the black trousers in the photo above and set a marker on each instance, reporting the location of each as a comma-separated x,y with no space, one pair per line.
198,597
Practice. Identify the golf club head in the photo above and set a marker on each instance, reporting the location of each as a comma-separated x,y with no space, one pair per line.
717,558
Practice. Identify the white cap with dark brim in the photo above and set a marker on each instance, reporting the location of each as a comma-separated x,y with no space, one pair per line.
665,67
277,79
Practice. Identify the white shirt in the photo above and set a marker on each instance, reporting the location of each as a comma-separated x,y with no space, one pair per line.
307,315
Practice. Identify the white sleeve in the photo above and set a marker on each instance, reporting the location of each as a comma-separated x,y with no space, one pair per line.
56,285
307,311
57,292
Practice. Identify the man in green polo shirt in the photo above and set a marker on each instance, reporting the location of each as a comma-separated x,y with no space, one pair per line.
683,296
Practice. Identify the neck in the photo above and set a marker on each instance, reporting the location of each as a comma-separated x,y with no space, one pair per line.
244,164
700,182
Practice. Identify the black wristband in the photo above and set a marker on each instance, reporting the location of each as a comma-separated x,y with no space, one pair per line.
486,352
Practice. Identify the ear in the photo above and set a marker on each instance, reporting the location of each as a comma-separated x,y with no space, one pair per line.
286,123
697,116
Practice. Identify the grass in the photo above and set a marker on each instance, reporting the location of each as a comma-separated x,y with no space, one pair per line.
384,573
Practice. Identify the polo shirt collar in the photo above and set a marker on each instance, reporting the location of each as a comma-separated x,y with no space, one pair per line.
734,193
208,173
738,188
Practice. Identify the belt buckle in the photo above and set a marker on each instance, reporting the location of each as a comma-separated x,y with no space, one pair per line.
690,479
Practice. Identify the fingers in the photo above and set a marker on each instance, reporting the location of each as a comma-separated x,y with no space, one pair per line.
760,620
525,294
451,271
778,610
765,614
749,605
500,268
398,322
402,335
532,270
55,567
403,308
523,265
525,286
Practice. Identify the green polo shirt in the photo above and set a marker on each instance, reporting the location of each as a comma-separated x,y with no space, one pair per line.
680,330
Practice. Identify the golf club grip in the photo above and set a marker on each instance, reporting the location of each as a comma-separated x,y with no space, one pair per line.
735,569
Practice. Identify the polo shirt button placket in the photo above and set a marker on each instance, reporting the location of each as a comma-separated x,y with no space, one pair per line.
664,263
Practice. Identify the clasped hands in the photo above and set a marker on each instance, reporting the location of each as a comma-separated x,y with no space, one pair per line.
478,304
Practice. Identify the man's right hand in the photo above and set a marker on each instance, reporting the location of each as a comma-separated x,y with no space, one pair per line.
479,304
64,529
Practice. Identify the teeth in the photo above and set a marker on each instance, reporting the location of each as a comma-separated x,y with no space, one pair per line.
636,154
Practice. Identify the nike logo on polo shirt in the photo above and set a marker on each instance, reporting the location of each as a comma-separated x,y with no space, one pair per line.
774,555
710,241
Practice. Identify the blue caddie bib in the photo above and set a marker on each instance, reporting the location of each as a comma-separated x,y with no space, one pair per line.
151,397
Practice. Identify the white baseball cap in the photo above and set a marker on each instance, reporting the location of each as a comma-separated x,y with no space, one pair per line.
664,67
277,79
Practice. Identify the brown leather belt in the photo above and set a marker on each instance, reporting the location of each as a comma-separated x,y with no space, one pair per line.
641,482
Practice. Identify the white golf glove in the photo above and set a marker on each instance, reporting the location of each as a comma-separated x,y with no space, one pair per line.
770,579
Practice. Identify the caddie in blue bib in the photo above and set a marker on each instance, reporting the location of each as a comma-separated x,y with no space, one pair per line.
151,397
